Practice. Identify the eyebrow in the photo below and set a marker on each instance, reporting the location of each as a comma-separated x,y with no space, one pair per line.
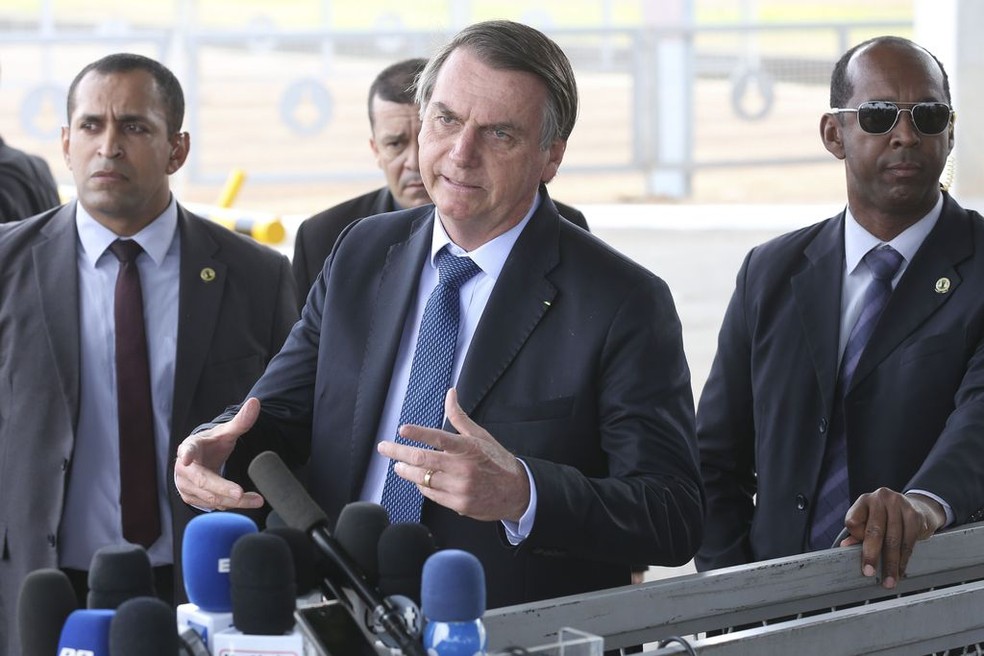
125,118
509,127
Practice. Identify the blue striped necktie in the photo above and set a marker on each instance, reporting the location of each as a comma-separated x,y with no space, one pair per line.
430,375
833,497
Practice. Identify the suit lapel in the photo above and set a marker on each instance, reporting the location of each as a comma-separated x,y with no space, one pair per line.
397,290
915,298
202,284
56,267
521,297
818,301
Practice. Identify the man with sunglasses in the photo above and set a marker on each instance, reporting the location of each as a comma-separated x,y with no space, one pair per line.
846,401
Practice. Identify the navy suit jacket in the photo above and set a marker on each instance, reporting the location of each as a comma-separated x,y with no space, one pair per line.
229,327
914,412
576,366
317,235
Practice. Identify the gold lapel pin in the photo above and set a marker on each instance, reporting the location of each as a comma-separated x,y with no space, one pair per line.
547,303
942,285
208,275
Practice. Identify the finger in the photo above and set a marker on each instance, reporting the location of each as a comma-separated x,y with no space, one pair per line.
892,547
412,455
187,453
874,535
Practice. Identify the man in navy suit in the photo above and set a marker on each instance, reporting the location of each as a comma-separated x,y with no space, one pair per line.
907,409
566,454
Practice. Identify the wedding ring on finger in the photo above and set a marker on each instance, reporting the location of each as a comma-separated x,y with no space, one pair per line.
427,477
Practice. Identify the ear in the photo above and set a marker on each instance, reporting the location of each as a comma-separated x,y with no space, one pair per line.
556,156
375,150
180,146
832,135
66,140
950,133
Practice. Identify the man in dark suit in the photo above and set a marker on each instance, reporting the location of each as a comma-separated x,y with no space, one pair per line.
394,120
217,307
797,442
566,453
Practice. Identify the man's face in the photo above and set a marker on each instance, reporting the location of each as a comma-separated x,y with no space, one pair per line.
892,178
394,142
119,149
480,153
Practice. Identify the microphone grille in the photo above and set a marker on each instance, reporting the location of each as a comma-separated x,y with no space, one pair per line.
453,587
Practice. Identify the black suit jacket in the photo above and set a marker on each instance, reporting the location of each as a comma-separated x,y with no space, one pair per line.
577,366
26,184
914,413
317,235
228,329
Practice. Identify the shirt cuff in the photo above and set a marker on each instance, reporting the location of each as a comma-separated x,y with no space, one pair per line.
946,507
516,532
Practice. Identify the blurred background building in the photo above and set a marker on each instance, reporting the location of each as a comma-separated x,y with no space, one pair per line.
682,101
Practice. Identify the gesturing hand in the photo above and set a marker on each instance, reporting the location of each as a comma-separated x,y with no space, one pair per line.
470,473
200,459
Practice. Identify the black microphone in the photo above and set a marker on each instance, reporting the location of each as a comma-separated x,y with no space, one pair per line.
118,573
403,550
359,526
45,601
306,561
292,502
261,583
144,626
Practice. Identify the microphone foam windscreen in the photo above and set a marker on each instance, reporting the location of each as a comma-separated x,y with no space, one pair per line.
45,601
284,492
453,587
359,527
118,573
143,626
86,631
403,550
261,580
205,550
303,554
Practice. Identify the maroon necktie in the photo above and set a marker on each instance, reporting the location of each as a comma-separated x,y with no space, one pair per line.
138,464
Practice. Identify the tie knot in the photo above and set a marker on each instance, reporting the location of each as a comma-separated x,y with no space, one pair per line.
884,262
126,250
455,271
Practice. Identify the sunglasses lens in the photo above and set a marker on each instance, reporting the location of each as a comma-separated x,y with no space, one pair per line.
931,118
877,117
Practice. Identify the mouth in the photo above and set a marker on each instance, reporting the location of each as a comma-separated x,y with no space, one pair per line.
459,185
108,176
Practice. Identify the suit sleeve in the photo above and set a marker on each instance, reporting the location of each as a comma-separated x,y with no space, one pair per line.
646,430
726,437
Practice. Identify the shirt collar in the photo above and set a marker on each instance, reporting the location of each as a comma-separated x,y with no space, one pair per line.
155,238
858,241
490,256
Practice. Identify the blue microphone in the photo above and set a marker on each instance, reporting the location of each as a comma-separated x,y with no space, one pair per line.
205,553
86,632
452,595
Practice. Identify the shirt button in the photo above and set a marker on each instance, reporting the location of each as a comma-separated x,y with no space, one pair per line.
51,540
801,502
823,425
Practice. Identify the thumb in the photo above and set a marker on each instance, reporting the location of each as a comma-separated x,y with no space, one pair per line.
248,413
458,418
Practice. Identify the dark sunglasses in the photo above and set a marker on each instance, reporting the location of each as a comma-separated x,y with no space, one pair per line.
880,116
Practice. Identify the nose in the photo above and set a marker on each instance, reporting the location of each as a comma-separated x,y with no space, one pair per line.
465,148
905,133
410,162
110,146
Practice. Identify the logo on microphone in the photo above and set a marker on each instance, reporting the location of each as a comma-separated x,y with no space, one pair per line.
68,651
223,565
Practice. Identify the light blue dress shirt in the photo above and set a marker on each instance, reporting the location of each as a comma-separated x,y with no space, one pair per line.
91,518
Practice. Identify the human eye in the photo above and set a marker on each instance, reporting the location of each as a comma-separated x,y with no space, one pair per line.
135,128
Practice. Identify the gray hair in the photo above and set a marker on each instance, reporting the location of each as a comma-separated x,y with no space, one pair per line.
505,45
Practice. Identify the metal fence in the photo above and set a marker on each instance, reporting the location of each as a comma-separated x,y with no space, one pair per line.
658,104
